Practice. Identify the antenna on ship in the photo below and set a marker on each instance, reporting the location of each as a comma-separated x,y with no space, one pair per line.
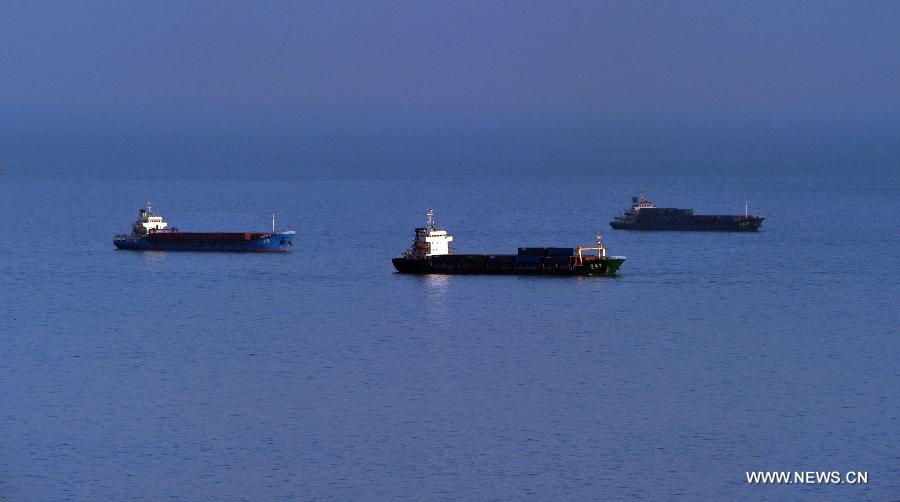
429,216
746,209
600,248
273,223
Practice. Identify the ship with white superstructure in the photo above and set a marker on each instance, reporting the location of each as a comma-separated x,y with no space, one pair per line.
150,232
431,254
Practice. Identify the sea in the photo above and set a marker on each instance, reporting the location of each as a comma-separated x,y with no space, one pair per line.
322,374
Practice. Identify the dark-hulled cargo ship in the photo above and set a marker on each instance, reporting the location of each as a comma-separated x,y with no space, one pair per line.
431,254
643,215
151,233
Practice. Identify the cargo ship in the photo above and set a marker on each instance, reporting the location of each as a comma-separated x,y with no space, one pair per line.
643,215
431,254
150,232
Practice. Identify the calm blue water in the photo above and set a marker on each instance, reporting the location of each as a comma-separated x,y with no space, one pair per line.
321,374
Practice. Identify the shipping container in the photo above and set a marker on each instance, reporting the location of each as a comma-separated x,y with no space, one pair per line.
557,260
501,258
560,251
528,259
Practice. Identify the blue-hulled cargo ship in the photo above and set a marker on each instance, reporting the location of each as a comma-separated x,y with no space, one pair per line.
430,254
150,232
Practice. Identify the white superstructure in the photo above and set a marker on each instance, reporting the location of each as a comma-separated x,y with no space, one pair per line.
148,222
641,202
430,241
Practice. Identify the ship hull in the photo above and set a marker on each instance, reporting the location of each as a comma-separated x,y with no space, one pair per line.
246,242
508,265
695,224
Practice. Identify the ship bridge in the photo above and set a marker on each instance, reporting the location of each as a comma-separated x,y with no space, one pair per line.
430,240
148,222
641,202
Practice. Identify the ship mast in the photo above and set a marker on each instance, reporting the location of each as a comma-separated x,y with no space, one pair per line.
273,223
601,249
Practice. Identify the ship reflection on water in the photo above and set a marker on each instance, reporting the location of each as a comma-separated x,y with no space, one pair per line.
153,257
437,284
437,309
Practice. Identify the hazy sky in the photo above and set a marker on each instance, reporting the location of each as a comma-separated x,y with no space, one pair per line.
401,63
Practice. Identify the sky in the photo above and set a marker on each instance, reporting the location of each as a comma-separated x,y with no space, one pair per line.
462,64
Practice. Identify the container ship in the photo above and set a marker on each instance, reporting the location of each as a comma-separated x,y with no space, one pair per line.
643,215
430,254
151,233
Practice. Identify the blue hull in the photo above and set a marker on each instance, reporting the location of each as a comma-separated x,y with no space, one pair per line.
272,242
